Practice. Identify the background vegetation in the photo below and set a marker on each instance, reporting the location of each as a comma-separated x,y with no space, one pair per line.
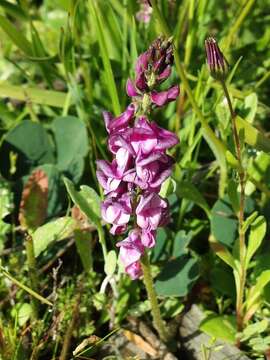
62,63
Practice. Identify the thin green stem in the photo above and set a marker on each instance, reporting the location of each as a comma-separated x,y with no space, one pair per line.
32,271
242,245
102,241
152,296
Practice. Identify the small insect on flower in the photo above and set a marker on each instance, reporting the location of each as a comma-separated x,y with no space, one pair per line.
216,61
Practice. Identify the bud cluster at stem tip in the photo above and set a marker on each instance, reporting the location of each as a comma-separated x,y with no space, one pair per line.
140,164
217,63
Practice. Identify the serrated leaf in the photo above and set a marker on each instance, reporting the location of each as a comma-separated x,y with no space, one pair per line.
53,231
34,201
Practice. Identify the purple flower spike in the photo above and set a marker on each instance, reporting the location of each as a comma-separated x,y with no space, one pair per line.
132,180
217,64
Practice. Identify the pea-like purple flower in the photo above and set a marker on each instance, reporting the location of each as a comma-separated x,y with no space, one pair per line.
140,164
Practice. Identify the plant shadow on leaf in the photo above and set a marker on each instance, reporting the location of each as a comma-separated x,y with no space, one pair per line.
177,277
29,145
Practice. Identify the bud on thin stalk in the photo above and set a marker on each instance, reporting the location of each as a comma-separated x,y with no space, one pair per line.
217,63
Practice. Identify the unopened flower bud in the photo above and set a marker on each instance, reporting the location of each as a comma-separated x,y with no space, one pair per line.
217,64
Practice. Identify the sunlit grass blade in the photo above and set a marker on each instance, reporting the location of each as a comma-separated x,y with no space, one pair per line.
99,26
37,96
24,287
13,10
16,36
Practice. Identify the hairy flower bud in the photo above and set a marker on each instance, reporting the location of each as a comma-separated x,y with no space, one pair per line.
217,64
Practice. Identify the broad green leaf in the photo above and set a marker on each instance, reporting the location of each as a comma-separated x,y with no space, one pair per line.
222,252
257,290
159,252
177,276
53,231
226,286
34,95
181,242
83,241
249,221
221,327
81,200
110,263
257,233
258,167
92,198
189,191
24,313
233,195
254,329
253,137
16,36
168,187
224,222
251,104
70,159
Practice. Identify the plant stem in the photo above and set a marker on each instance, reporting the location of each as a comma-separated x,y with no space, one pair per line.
242,245
32,271
152,296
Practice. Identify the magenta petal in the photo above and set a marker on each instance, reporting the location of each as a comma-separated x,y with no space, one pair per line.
134,270
123,119
130,88
166,139
163,97
142,63
165,74
107,116
173,92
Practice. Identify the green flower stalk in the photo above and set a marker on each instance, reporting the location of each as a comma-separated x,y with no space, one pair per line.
218,67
